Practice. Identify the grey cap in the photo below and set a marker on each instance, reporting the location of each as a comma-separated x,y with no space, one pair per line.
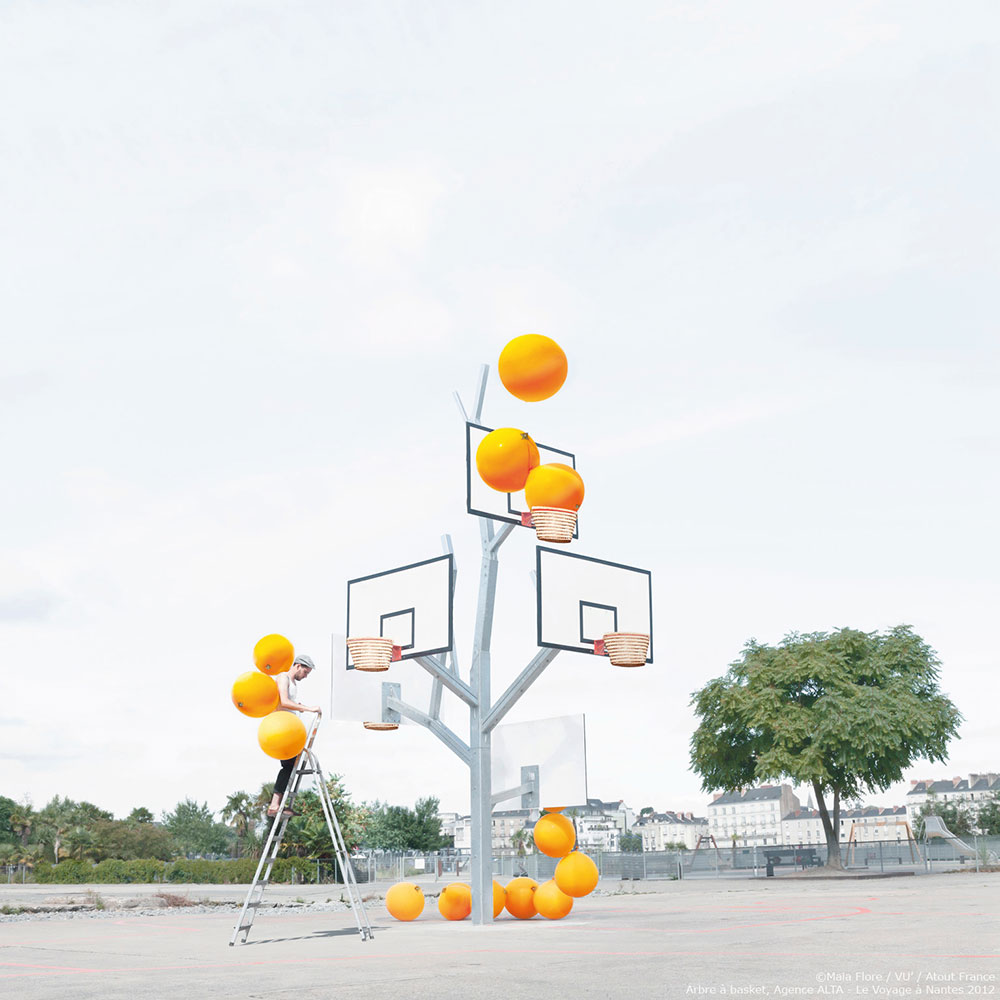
303,661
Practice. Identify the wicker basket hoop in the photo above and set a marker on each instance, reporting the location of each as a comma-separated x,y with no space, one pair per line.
627,649
381,727
553,524
370,653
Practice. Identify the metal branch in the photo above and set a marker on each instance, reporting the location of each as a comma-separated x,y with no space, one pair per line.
461,405
512,793
525,679
484,372
436,726
453,683
501,536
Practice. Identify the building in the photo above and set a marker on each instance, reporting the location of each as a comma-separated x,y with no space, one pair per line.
966,793
752,816
662,831
506,822
805,826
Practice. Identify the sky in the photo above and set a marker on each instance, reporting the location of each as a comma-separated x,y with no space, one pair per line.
249,250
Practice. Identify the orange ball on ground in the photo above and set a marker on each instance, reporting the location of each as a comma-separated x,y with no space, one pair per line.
255,694
532,367
554,485
521,898
281,735
499,898
551,902
505,457
404,901
455,901
576,874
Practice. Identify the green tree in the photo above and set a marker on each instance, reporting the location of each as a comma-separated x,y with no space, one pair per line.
520,840
128,840
238,812
140,815
630,843
8,807
398,828
845,712
195,830
22,820
988,820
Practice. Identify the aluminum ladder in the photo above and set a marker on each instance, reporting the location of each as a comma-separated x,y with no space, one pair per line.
307,763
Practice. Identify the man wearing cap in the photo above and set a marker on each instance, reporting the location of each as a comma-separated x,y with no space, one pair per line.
302,666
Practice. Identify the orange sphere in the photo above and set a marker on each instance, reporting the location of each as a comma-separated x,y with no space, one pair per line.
532,367
521,898
499,898
273,654
281,735
405,901
554,485
551,902
455,901
576,874
255,694
505,457
554,835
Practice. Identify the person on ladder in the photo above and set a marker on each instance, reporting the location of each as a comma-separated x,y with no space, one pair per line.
302,666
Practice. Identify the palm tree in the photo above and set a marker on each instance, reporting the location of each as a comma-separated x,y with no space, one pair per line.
22,820
238,813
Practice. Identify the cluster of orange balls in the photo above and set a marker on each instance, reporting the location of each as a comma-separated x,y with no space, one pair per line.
575,876
280,734
532,368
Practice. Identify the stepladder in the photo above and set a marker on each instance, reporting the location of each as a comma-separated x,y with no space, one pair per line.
307,764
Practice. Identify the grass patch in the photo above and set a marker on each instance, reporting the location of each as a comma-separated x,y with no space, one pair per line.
175,899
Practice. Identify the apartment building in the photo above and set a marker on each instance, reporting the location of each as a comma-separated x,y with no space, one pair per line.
751,816
661,831
805,826
969,793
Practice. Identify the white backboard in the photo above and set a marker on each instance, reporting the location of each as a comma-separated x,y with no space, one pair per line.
412,605
487,502
356,695
580,598
558,746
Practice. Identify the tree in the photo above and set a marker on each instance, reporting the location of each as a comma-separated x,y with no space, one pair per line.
988,819
519,840
194,829
630,843
845,712
140,815
21,820
646,811
238,813
397,828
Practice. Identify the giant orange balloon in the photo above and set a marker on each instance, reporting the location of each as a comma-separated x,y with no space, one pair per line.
499,898
255,694
273,654
521,898
455,901
554,835
505,457
551,902
532,367
281,735
405,901
576,874
554,485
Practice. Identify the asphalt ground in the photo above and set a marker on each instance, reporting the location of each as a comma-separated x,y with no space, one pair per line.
935,935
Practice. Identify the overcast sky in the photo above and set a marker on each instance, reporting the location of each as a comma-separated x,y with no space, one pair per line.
247,251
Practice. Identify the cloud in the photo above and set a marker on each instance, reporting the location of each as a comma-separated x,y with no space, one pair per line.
28,607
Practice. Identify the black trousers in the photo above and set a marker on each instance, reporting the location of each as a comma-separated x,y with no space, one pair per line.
281,782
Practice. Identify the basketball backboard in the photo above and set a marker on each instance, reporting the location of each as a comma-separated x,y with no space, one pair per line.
581,598
412,605
557,747
487,502
356,695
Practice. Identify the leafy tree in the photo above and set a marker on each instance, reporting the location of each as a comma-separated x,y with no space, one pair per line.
954,815
630,843
845,712
140,815
129,840
195,830
238,812
8,807
397,828
988,820
22,820
646,811
520,840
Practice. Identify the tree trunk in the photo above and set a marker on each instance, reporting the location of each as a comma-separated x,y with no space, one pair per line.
830,828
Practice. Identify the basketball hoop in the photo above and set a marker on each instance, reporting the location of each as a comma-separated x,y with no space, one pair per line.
371,653
626,649
381,727
553,524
